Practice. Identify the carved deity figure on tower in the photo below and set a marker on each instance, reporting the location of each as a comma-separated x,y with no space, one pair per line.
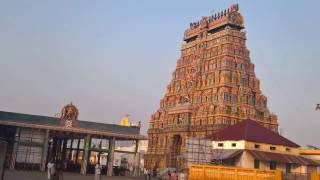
69,112
69,115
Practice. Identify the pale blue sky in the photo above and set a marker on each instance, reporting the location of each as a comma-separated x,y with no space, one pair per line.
116,57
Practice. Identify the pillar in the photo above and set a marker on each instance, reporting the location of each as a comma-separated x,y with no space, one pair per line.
44,151
85,154
15,149
136,169
111,156
64,151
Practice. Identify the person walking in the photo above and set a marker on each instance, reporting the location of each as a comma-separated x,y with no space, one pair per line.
145,173
59,171
174,175
97,172
149,174
50,170
168,176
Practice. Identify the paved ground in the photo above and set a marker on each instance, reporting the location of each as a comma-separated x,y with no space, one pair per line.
36,175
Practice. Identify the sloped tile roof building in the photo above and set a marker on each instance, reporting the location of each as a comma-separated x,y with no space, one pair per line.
251,131
251,145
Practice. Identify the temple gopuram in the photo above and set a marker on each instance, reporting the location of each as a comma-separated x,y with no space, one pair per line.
213,86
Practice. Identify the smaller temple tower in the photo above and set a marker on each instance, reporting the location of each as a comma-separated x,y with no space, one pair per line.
125,121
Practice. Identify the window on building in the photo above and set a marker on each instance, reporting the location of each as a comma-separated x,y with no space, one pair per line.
244,81
99,143
32,135
273,165
288,149
69,142
81,144
129,145
27,154
272,148
257,146
75,143
234,144
288,168
220,144
257,164
95,143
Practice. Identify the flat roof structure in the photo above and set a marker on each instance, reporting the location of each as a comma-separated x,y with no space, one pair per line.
75,145
54,123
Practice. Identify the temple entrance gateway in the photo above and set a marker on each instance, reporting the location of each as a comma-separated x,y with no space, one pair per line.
213,86
98,157
175,151
66,149
99,148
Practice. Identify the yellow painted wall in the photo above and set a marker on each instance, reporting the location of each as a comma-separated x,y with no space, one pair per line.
245,160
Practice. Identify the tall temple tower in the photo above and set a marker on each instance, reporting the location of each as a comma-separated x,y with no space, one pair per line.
213,86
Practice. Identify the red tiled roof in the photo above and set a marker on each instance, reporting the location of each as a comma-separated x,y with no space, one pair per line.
251,131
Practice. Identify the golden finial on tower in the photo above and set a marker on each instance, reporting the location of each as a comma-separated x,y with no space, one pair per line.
125,120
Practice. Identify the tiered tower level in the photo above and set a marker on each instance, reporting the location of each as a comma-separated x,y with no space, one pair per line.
214,85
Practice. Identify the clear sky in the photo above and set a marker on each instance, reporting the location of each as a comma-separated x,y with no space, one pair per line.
112,58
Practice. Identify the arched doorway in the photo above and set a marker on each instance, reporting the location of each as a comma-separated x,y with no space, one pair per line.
175,151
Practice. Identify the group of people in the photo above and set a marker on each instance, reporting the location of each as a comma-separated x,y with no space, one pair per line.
147,174
54,171
169,176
